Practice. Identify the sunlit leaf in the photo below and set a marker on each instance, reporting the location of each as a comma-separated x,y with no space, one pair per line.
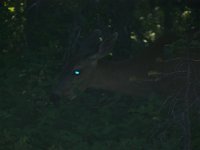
145,41
11,9
4,4
186,13
133,36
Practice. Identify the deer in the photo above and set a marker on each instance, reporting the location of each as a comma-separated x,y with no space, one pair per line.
133,77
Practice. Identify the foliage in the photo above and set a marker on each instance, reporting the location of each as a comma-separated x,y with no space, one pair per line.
38,37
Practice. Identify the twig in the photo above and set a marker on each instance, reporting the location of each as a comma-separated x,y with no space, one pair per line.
186,111
175,101
181,59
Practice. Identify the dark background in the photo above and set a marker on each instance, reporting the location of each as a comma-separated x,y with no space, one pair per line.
38,37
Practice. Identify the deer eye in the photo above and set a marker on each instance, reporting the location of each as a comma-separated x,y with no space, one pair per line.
76,72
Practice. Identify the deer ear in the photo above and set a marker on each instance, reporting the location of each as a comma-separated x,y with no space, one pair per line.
107,45
90,45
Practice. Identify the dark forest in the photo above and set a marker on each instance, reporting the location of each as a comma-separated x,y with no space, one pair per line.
100,75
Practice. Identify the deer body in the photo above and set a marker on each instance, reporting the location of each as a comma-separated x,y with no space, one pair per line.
122,77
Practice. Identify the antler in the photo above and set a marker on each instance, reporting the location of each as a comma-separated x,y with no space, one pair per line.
108,44
89,46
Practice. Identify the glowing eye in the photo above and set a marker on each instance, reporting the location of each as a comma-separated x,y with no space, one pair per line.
76,72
